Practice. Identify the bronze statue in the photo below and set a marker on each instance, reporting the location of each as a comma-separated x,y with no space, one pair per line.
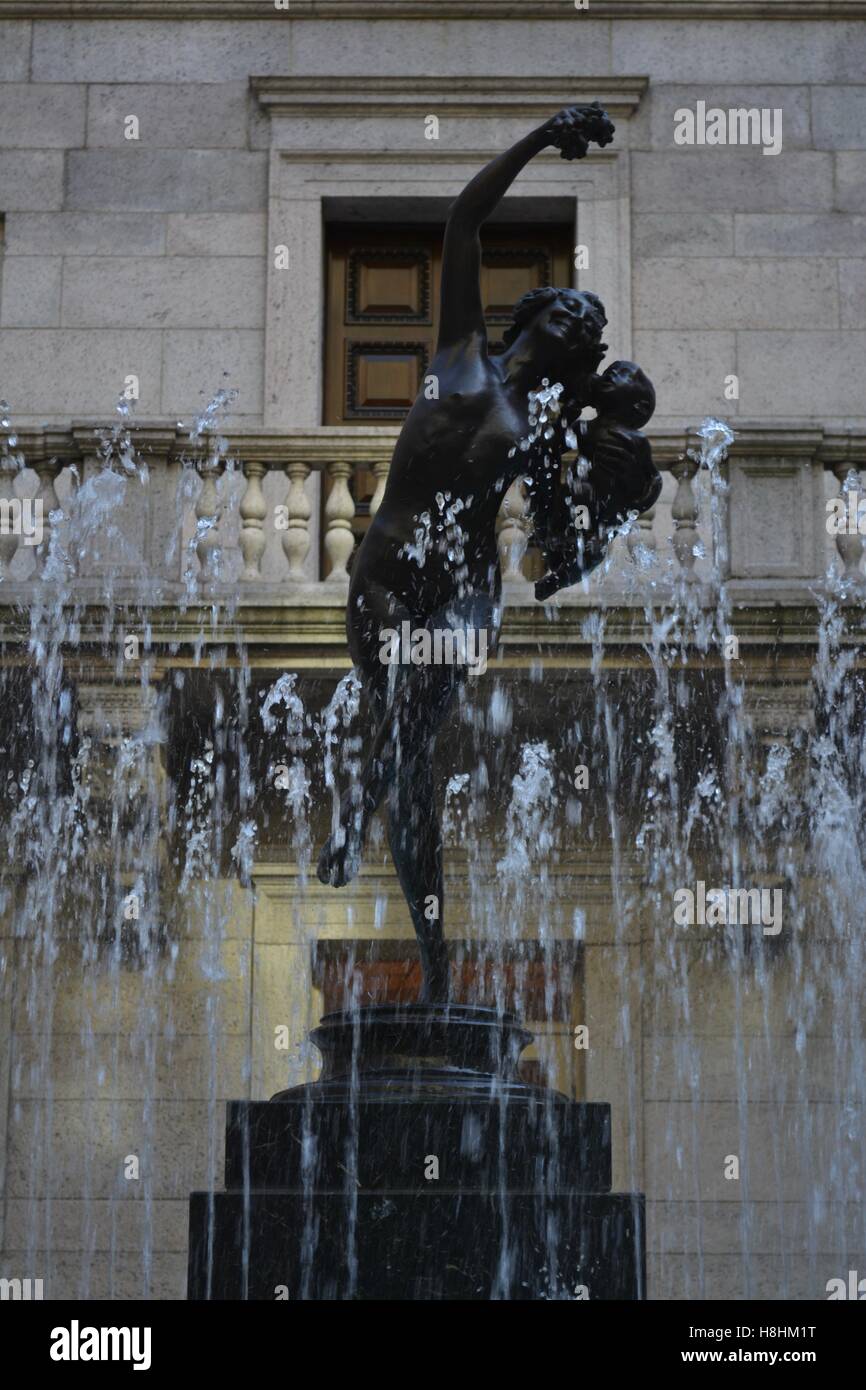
428,568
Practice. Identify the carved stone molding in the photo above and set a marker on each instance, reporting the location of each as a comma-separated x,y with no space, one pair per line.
420,10
448,96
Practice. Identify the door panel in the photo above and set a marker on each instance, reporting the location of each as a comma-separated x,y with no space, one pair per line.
383,378
387,284
507,273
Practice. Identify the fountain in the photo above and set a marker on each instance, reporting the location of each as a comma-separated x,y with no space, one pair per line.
157,765
461,1181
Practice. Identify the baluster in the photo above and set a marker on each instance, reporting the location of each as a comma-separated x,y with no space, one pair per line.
339,515
513,532
684,512
641,540
849,544
207,515
380,473
253,510
296,541
47,471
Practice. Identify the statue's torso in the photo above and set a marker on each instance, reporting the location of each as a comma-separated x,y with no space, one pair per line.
451,465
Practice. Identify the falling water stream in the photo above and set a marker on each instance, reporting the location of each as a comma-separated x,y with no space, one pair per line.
132,832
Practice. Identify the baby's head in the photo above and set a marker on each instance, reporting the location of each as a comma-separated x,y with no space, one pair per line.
626,393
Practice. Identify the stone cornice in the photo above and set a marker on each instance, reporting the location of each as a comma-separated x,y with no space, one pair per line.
435,10
308,632
367,444
431,155
525,97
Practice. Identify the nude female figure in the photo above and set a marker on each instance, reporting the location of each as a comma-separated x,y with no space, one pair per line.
430,556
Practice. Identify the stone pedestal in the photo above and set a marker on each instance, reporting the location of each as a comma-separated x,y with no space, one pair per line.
418,1168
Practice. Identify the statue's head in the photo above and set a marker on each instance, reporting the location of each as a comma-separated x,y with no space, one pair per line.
561,329
625,392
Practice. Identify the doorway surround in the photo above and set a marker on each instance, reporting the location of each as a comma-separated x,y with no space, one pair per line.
395,138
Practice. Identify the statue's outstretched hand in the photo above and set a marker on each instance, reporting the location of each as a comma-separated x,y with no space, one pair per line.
575,128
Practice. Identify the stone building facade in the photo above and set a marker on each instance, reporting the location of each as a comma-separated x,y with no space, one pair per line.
172,177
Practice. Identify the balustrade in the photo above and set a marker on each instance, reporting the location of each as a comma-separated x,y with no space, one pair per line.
278,529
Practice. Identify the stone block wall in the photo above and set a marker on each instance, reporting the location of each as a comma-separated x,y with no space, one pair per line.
150,256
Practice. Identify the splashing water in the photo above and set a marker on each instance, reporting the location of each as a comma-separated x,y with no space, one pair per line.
156,811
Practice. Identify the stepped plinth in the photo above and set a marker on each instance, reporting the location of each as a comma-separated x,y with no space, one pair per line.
419,1167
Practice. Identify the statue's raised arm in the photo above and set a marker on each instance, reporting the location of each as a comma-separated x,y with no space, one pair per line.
462,317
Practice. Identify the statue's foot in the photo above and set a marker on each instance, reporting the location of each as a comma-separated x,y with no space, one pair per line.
339,862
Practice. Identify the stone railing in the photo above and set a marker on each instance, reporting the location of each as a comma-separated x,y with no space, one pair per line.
268,515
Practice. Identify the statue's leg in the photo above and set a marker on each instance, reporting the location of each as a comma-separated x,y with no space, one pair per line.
415,838
410,703
404,738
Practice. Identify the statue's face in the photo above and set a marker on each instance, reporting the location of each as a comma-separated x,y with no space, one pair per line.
566,334
624,392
